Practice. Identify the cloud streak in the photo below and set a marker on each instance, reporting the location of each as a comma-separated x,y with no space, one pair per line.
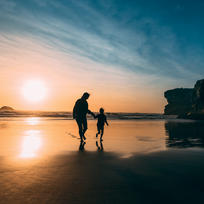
122,40
80,29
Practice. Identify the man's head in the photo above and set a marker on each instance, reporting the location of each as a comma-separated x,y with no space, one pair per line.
85,96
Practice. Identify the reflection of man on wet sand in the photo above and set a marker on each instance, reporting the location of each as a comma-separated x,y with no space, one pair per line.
82,145
79,114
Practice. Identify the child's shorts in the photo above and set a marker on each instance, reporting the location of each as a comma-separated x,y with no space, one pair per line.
100,127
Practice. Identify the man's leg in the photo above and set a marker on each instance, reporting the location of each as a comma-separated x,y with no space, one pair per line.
84,123
81,146
79,123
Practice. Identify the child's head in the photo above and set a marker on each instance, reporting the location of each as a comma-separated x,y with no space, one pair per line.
101,110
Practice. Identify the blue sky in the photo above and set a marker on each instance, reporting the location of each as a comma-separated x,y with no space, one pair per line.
159,40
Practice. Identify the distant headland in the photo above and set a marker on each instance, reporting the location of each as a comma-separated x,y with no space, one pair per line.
6,109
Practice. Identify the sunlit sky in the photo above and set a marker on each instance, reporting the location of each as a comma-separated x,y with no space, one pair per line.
126,53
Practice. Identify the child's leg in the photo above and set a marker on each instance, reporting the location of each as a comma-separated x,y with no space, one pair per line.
98,128
97,145
102,130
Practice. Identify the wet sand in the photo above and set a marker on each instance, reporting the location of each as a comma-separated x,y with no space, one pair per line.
161,174
98,177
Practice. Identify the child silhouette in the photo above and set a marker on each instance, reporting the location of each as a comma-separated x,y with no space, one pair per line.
101,122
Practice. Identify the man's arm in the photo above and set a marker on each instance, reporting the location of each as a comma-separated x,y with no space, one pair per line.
74,112
89,112
75,109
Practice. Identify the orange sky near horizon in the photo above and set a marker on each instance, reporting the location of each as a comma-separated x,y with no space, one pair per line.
66,78
125,55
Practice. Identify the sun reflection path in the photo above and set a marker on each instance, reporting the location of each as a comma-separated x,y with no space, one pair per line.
31,144
32,121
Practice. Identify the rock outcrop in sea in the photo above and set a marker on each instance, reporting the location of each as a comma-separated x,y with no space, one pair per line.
6,109
186,102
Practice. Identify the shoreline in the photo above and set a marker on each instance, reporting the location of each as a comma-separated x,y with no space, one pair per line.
110,116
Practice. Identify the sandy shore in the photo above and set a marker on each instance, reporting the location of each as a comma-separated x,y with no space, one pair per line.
142,162
174,176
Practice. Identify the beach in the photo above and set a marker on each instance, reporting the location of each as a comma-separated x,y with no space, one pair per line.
139,161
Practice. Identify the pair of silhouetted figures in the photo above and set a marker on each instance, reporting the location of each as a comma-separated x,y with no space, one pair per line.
80,111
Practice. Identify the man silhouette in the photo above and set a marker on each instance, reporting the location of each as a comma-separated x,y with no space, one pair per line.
79,114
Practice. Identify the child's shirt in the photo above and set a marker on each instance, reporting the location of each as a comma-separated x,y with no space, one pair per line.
101,119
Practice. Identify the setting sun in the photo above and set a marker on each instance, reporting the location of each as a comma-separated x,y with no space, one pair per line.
34,90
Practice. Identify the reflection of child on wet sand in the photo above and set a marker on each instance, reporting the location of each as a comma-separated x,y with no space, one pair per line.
100,147
101,122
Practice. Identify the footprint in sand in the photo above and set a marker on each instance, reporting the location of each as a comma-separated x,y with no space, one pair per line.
73,136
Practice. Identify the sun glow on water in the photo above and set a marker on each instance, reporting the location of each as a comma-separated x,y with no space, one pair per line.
31,144
32,121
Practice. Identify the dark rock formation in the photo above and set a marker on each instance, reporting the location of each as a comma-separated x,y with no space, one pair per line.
179,101
198,96
6,109
186,103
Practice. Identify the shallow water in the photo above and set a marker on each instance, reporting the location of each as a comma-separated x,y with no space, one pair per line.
26,138
41,161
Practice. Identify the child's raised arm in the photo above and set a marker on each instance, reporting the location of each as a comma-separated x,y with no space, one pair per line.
106,121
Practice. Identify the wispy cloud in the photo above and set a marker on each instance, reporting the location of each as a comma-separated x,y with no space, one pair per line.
102,33
80,29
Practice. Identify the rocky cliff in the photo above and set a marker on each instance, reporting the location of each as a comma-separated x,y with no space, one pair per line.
198,96
179,101
186,103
